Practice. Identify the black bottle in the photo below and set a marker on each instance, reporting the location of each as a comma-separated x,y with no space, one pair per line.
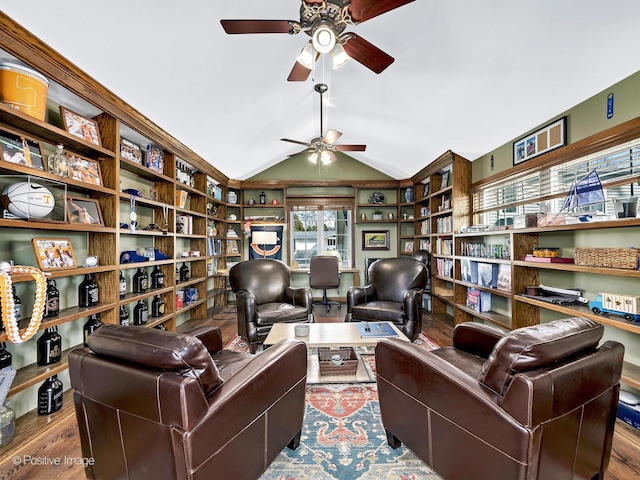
122,286
157,278
17,308
140,281
52,301
184,272
157,306
50,396
140,313
5,357
91,326
49,347
124,316
177,274
88,292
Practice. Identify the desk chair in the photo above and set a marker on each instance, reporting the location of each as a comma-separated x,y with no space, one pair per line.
324,274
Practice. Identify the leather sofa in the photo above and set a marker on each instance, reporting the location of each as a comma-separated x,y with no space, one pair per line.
394,294
536,403
162,405
264,296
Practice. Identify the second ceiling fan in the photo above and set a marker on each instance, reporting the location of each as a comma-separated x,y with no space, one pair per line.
325,21
323,148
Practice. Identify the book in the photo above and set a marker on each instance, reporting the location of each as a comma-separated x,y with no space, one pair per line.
377,329
504,277
487,274
531,258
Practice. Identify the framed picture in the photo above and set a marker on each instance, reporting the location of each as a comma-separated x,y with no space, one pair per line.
408,247
155,158
427,188
54,253
84,170
21,150
375,239
445,180
80,126
130,151
84,210
542,141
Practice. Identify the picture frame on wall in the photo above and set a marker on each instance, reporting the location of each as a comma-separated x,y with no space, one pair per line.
21,150
80,126
84,210
375,240
54,253
548,138
84,170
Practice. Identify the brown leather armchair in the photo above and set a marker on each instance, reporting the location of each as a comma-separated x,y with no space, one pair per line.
164,405
536,403
394,294
264,297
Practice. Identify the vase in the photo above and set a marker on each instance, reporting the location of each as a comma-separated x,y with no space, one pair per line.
7,424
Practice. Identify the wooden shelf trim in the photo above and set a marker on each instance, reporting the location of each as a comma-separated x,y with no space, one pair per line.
495,291
499,319
572,267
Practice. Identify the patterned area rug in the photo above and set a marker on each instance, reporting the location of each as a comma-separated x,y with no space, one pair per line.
343,439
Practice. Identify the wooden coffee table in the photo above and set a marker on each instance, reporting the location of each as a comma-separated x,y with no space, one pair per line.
332,335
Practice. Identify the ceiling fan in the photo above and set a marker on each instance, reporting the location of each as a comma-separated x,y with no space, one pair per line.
325,21
323,148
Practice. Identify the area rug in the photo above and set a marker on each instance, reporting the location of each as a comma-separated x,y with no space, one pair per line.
343,439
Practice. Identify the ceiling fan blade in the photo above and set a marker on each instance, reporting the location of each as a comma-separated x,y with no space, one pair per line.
259,26
362,10
366,53
332,156
350,148
295,141
331,137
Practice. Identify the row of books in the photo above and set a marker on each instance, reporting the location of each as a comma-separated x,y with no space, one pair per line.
486,274
425,244
444,267
444,225
214,246
184,224
425,227
485,251
444,246
478,300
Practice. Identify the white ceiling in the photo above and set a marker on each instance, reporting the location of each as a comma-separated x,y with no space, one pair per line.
469,75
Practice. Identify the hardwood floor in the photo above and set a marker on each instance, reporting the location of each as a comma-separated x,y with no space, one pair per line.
63,443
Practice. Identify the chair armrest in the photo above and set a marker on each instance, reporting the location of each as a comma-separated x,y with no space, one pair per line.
246,304
209,335
358,295
277,374
300,296
424,380
476,338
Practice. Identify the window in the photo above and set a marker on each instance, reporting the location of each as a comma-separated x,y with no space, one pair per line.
320,228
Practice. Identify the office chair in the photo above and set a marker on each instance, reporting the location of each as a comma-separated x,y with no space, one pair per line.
324,274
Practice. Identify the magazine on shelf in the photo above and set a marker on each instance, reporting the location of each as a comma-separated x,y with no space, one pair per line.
377,330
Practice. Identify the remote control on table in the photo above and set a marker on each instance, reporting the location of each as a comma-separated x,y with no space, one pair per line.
366,326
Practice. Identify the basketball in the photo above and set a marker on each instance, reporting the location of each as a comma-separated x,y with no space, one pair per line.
27,200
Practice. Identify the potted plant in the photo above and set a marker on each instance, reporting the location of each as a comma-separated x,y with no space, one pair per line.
377,214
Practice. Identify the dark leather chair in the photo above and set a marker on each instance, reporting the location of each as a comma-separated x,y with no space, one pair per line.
264,297
324,273
394,294
164,405
536,403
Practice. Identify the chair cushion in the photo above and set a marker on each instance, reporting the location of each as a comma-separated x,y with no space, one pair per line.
270,313
379,311
159,350
538,346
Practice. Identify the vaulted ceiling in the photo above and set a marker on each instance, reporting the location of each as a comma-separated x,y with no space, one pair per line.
468,75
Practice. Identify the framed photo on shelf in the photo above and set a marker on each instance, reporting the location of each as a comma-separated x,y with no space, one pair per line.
375,239
130,151
445,180
84,170
408,247
54,253
84,210
155,158
81,127
427,188
21,150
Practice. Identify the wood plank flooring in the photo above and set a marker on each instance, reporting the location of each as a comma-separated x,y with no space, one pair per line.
63,442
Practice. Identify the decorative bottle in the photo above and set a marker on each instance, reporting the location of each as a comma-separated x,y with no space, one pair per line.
50,396
7,424
157,306
58,162
263,198
91,326
52,301
122,286
157,278
5,357
49,347
124,316
140,313
184,272
88,292
140,281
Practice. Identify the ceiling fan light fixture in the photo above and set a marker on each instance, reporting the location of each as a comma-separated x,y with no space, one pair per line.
313,158
307,56
339,56
324,38
325,158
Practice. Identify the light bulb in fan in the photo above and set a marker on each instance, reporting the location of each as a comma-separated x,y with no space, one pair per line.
313,158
